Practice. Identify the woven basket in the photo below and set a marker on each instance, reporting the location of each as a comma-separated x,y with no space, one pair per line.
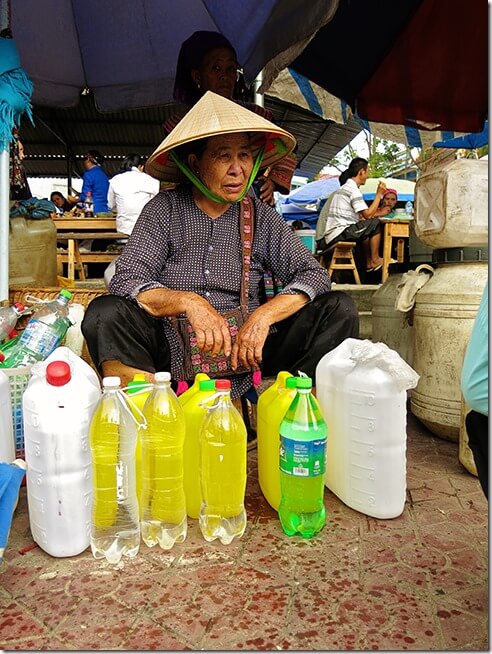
81,296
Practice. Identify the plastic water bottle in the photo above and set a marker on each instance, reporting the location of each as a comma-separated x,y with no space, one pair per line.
115,527
273,404
8,319
223,453
302,464
163,500
409,208
195,410
88,205
138,390
43,333
58,404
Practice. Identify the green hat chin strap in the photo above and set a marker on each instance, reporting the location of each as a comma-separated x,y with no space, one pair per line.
186,170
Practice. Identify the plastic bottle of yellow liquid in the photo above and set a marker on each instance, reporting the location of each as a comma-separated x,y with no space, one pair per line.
223,440
163,503
115,528
272,407
138,391
193,389
195,411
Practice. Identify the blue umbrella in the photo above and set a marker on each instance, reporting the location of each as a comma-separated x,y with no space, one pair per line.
468,141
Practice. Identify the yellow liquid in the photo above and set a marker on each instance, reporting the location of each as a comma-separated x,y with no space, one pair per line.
163,497
194,415
139,400
223,457
112,479
272,407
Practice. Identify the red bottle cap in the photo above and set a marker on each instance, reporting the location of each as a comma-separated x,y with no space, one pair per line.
58,373
20,307
222,385
2,357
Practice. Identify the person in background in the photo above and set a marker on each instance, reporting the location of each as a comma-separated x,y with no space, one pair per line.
19,186
350,219
185,258
388,204
475,389
129,191
61,202
208,62
96,181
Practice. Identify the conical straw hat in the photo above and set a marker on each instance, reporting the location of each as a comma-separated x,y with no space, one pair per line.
213,115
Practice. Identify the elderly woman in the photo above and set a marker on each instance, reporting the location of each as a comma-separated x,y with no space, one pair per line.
208,62
191,251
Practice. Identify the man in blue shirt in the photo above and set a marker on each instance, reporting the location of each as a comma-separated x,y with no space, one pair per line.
96,181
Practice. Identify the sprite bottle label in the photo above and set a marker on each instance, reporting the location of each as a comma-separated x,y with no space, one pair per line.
302,458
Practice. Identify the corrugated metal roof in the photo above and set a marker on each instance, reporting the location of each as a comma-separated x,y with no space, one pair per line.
60,135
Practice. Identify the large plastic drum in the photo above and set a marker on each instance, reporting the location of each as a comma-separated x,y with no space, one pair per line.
451,205
445,309
32,252
390,326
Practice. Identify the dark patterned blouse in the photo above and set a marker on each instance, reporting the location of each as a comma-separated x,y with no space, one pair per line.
176,245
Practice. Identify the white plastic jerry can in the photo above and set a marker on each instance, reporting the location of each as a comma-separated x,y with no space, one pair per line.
361,388
58,404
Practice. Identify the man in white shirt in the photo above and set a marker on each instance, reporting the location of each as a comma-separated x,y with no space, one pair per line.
350,219
129,192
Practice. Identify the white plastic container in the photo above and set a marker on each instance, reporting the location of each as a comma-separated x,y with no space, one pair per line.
452,205
361,388
308,237
7,444
57,408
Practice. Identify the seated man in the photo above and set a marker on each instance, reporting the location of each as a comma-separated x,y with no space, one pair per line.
350,219
185,258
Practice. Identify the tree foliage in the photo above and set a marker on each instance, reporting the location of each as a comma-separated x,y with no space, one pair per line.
385,157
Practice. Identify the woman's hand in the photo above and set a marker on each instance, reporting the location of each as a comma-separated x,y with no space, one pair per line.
247,349
266,191
212,332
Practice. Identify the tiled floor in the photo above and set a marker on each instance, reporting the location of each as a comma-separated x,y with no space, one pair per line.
418,582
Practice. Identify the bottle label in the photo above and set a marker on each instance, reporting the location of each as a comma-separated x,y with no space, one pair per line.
39,337
302,458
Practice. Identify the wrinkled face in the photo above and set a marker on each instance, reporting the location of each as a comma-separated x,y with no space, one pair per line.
225,165
218,72
389,200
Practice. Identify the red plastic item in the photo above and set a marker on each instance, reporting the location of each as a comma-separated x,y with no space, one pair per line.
58,373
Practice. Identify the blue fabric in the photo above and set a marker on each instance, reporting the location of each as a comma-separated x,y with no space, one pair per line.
96,181
468,141
15,92
33,208
10,480
475,371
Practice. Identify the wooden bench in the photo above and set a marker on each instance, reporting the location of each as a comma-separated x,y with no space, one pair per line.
79,229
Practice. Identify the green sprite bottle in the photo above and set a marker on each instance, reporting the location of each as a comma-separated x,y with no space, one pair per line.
302,463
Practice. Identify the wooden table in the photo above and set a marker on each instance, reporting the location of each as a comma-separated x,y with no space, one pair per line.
75,230
398,229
